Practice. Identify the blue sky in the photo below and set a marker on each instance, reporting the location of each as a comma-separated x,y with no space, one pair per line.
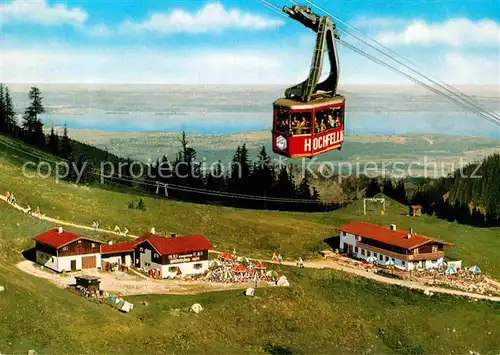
238,42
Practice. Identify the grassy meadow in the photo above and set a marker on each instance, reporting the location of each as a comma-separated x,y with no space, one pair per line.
325,311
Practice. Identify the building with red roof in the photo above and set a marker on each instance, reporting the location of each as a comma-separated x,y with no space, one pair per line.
171,256
391,246
61,250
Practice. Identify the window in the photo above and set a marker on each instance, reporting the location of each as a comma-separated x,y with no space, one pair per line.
156,255
282,123
386,258
356,249
381,257
327,119
375,254
198,266
172,269
403,263
52,259
434,248
362,252
141,249
368,253
415,251
301,123
93,245
65,248
79,242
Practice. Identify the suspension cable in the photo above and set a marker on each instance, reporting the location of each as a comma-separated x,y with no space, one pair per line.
147,183
461,95
491,118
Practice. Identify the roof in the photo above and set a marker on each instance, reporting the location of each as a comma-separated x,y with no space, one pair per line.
53,238
119,247
176,245
398,238
88,277
317,103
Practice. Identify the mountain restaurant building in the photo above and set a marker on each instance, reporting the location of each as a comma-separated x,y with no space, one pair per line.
61,250
170,256
390,246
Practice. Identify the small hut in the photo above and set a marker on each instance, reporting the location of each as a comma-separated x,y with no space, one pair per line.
416,211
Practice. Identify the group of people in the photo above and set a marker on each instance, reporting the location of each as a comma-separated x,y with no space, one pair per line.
301,122
119,231
325,121
10,197
277,258
95,225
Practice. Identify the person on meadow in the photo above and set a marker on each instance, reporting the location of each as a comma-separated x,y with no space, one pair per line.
7,195
300,264
275,258
280,258
28,210
126,231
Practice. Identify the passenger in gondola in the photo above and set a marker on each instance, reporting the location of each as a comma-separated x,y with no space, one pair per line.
323,126
302,125
331,122
295,126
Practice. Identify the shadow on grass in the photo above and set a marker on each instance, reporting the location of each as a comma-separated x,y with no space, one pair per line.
30,254
333,242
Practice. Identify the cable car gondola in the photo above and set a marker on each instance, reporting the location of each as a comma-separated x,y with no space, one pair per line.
309,120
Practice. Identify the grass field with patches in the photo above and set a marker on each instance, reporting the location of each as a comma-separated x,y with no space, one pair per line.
325,311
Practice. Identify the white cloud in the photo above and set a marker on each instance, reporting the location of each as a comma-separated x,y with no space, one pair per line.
41,13
67,64
213,17
99,30
378,22
462,68
453,32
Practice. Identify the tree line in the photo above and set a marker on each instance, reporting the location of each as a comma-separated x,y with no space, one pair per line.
196,183
468,196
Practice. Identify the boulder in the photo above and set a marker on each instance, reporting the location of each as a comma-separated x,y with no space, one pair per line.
196,308
283,282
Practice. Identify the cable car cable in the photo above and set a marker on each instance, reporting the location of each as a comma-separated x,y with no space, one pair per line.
419,72
174,186
464,105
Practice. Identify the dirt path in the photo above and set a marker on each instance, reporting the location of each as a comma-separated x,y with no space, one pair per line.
318,264
332,264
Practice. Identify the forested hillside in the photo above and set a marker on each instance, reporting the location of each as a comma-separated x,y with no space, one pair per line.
470,195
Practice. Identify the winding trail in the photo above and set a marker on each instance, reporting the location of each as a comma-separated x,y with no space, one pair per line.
316,264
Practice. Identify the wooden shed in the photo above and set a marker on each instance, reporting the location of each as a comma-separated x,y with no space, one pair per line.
91,283
416,210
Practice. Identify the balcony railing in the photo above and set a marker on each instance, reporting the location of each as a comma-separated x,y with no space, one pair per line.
405,257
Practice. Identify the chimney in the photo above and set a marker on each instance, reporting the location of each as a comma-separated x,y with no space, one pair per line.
411,231
409,236
393,227
153,230
60,230
172,235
